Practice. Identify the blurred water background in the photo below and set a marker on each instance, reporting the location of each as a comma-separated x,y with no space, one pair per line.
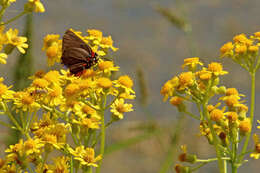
149,44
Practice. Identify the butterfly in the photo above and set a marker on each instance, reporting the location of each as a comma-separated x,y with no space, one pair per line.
76,54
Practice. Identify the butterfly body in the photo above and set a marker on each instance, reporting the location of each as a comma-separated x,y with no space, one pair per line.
76,54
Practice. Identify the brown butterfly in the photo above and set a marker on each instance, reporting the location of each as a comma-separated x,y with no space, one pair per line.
76,54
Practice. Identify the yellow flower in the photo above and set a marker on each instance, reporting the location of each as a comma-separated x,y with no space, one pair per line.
176,101
227,49
88,123
185,79
104,83
33,146
34,5
22,151
210,108
54,134
68,105
82,110
53,76
241,38
168,88
192,62
85,84
25,102
232,116
231,91
54,96
257,34
40,83
241,49
13,39
119,107
242,108
204,74
71,90
107,66
234,92
94,34
49,40
60,165
86,156
245,126
216,115
88,73
126,96
53,47
107,42
125,83
17,148
256,153
253,49
5,93
231,101
216,69
3,58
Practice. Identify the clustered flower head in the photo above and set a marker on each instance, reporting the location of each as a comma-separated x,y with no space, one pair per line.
222,123
244,50
60,106
194,84
9,38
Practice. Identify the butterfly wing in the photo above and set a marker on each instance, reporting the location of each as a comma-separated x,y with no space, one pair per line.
77,68
74,55
70,39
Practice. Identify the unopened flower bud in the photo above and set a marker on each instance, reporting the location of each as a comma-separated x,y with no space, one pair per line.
185,157
182,169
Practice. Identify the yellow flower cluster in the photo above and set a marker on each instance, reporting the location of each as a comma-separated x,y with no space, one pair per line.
72,107
221,125
10,39
243,50
194,83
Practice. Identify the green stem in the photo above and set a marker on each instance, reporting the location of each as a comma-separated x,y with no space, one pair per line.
74,139
89,170
9,114
225,165
212,159
112,101
2,13
14,18
215,139
90,105
102,141
252,107
234,165
103,132
71,164
199,166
